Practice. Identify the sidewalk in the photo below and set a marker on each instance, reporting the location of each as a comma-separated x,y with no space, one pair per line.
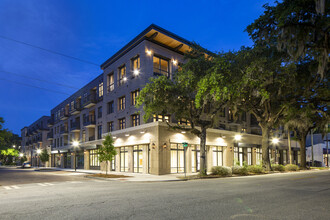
133,177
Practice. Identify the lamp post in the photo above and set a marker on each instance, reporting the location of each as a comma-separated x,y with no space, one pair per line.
75,144
38,157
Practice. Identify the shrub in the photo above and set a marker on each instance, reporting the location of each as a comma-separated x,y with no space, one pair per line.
291,167
221,171
255,169
239,170
278,167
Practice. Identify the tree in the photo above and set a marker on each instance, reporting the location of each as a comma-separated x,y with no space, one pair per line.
8,154
107,151
267,77
189,95
298,27
44,156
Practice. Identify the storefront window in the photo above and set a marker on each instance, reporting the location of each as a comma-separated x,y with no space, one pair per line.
258,155
94,161
177,158
249,156
138,159
217,156
195,158
123,159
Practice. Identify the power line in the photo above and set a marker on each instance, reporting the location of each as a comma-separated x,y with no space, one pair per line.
50,51
49,90
41,80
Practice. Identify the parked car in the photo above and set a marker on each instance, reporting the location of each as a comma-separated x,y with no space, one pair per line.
26,165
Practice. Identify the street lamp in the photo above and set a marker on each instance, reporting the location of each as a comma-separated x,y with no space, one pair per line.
275,140
21,154
75,145
38,157
14,146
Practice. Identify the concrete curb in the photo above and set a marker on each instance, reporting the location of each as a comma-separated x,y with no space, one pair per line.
130,179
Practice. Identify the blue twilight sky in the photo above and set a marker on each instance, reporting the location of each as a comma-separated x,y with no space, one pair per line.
93,30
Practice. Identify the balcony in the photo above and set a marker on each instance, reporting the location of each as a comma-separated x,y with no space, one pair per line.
92,138
50,122
50,135
110,87
64,116
89,121
64,130
75,127
90,100
76,108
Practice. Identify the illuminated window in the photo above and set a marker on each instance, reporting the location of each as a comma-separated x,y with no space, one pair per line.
111,82
136,63
122,123
135,120
134,96
101,89
94,161
183,121
122,75
217,156
161,66
177,158
121,103
138,159
161,118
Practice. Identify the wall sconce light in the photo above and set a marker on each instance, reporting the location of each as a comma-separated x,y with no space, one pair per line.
149,52
230,149
164,145
153,146
175,62
136,72
126,135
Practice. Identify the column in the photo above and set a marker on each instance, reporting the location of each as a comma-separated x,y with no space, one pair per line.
86,160
229,154
130,160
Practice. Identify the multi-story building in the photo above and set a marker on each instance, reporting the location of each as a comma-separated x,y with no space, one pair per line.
34,137
107,105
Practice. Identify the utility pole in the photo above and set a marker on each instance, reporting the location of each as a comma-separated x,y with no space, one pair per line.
289,144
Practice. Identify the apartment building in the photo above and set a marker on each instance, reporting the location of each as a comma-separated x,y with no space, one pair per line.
107,105
34,137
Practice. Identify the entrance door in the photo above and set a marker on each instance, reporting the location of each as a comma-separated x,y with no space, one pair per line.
177,158
123,159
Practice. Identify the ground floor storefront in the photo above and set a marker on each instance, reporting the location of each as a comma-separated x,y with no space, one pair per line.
154,148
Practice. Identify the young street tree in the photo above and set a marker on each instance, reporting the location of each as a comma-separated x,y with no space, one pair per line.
187,96
107,151
44,156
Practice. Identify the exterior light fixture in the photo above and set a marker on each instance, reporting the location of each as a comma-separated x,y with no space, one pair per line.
75,143
142,132
175,62
125,78
14,146
114,137
126,135
183,132
238,137
149,52
136,72
38,151
275,140
21,154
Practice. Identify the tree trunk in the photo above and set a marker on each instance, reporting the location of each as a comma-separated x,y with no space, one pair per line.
203,167
265,148
302,143
289,146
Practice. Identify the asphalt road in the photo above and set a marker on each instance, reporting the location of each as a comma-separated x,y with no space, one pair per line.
281,196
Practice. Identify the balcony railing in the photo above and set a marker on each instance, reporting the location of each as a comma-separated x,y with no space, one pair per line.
111,87
64,115
89,121
76,108
63,130
89,100
92,138
75,126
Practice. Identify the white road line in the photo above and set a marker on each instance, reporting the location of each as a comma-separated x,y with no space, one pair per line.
16,187
100,181
49,184
41,184
74,182
7,187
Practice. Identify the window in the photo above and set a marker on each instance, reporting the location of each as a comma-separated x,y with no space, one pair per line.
121,103
99,112
123,159
111,82
72,106
217,156
101,89
122,75
138,159
136,63
99,132
122,123
195,158
161,118
110,126
249,156
134,96
110,107
177,158
183,121
135,120
161,66
94,161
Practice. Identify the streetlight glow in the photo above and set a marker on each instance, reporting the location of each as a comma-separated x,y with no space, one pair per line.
14,146
275,140
75,143
136,72
21,154
38,151
238,137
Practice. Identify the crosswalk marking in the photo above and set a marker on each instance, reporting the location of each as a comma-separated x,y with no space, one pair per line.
49,184
15,187
11,187
7,187
41,184
74,182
